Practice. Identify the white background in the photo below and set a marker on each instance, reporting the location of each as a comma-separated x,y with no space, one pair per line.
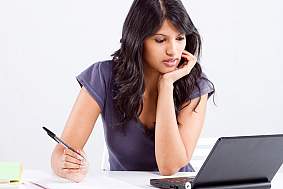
45,44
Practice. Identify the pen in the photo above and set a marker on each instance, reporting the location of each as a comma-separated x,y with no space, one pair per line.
34,184
52,135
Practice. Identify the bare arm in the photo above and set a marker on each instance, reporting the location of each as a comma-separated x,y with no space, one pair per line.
76,132
174,145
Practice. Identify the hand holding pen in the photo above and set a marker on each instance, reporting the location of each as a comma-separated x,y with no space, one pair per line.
72,163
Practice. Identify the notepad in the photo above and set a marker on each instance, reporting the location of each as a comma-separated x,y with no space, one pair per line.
10,172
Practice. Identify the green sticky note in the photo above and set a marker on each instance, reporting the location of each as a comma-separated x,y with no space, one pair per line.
10,172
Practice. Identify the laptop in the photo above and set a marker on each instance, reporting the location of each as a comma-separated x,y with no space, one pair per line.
234,162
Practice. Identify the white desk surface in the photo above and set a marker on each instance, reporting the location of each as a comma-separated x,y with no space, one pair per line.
107,179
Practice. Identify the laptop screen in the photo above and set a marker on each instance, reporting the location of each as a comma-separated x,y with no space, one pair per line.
242,159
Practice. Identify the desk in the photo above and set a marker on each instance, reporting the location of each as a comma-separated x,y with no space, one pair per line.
108,179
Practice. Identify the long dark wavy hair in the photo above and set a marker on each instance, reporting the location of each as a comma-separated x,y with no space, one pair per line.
144,19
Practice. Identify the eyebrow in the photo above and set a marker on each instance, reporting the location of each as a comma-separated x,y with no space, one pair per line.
166,35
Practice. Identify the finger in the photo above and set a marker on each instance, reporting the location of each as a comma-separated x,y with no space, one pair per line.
70,165
187,53
71,159
73,154
187,67
187,61
80,169
82,153
191,61
189,57
70,171
84,160
84,170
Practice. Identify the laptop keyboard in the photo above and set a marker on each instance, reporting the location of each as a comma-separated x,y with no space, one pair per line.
179,180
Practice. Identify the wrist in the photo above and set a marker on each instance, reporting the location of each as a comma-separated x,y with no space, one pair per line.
165,83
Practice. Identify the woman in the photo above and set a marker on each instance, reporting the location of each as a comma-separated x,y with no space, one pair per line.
152,96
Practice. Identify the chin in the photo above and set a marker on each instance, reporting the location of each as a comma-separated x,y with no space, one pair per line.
165,70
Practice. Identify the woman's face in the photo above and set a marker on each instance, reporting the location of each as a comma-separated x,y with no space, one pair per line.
162,51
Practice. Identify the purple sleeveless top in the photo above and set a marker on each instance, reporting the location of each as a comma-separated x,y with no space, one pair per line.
132,150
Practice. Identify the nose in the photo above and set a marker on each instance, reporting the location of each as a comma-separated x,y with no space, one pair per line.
171,49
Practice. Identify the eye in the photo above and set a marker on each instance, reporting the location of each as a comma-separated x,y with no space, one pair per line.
159,40
180,38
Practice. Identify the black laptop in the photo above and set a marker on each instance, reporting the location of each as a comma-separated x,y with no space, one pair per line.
234,162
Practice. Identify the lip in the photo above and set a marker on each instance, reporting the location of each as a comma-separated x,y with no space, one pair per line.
170,62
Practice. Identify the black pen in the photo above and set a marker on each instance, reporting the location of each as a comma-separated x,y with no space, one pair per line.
57,139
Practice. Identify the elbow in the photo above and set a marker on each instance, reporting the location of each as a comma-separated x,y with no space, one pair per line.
167,172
